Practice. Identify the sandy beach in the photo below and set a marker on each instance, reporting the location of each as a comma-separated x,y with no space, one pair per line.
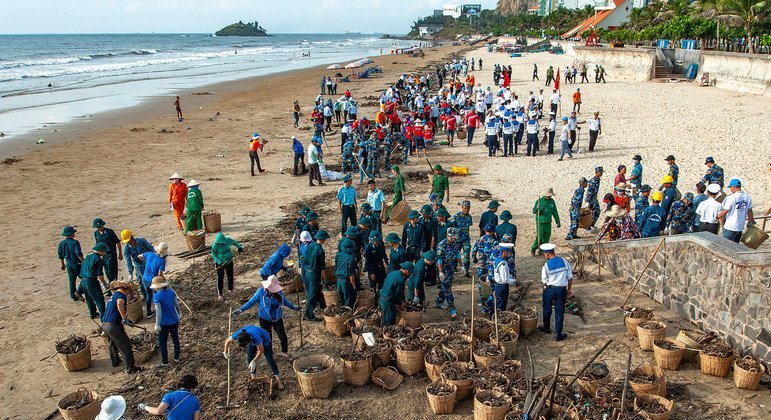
119,172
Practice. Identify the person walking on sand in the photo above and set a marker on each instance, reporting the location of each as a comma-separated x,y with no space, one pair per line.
535,72
575,209
194,207
177,197
544,210
557,279
601,74
178,106
113,321
91,279
108,237
256,341
549,75
271,300
222,254
71,258
583,73
166,319
296,113
255,145
555,101
181,404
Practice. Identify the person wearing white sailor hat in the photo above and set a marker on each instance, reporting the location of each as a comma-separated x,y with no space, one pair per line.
557,278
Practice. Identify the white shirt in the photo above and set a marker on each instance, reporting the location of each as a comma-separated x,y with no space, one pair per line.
572,123
532,127
502,274
481,107
508,128
708,210
376,199
346,129
313,154
552,125
565,134
515,104
556,273
593,123
555,98
737,205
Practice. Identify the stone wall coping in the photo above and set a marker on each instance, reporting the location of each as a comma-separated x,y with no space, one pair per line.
723,248
630,49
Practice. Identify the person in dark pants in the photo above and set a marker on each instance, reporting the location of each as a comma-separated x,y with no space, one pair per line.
113,321
346,203
108,237
315,274
552,130
71,258
296,114
314,162
375,261
166,318
222,254
271,300
557,278
255,146
155,265
392,293
91,274
299,157
257,342
503,276
416,292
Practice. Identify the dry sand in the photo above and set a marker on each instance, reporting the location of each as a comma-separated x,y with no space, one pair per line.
119,173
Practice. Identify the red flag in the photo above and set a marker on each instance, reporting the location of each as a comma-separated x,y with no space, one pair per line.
557,80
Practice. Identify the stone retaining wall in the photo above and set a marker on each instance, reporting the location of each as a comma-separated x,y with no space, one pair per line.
631,63
716,284
746,73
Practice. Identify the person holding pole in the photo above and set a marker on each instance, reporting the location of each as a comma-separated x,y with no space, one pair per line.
557,278
544,210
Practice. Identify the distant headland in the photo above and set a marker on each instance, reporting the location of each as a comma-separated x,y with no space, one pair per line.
242,29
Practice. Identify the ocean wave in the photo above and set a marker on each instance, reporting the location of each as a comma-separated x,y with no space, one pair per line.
53,61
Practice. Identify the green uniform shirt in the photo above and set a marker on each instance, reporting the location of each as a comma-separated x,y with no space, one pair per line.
396,258
109,238
506,228
69,251
485,218
194,200
345,266
393,288
93,266
221,250
440,183
315,258
398,185
548,209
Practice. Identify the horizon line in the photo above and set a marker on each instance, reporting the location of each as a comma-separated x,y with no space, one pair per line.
201,33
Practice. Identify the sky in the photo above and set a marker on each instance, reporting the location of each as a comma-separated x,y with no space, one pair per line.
204,16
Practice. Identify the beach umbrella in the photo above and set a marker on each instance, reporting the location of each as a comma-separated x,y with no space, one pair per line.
335,67
352,65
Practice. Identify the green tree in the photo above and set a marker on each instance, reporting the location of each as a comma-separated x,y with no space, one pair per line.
748,12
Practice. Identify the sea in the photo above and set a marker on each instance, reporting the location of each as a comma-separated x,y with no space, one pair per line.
49,80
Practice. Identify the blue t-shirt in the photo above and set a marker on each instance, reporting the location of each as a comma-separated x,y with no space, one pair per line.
168,301
153,264
182,405
111,314
258,335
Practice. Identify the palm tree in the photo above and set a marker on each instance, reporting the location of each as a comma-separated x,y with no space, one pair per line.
715,10
748,12
675,8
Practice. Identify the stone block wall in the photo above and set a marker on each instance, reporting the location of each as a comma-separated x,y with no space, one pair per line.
716,284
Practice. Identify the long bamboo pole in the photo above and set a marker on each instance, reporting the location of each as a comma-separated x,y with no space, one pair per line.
639,276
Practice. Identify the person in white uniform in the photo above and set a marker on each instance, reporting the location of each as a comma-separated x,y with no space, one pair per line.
557,279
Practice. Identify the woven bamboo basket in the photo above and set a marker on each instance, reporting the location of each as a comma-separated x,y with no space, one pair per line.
357,372
465,387
659,385
357,339
487,361
462,354
647,336
319,384
387,377
385,356
433,371
337,325
667,359
486,412
400,212
411,319
513,324
365,299
143,356
585,220
330,297
509,347
483,327
687,340
745,379
212,222
590,387
754,236
528,326
77,361
425,337
714,365
411,362
375,322
87,412
461,134
631,323
442,404
291,285
135,310
554,412
195,239
668,404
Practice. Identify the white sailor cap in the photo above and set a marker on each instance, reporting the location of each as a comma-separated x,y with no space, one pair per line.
713,188
506,245
548,247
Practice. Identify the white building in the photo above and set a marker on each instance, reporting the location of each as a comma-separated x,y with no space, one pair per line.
429,29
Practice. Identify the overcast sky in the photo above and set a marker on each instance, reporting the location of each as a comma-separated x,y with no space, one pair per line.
276,16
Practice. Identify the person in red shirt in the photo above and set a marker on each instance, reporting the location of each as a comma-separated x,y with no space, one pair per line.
254,146
417,136
408,135
472,122
396,123
451,125
380,132
428,134
430,125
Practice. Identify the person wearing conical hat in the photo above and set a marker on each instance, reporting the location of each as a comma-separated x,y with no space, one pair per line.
108,237
177,197
544,210
91,275
113,321
71,257
194,207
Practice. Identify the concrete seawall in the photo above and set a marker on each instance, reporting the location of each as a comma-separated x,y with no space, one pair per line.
630,63
738,72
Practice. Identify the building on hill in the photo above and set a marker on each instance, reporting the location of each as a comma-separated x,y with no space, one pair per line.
609,15
429,29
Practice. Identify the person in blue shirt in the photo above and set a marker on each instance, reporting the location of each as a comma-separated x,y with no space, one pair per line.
653,219
133,247
108,237
670,193
181,404
71,258
166,318
299,157
113,321
346,203
257,342
271,300
155,265
275,262
91,275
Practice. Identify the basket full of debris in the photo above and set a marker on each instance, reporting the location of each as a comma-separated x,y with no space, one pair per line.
74,352
79,405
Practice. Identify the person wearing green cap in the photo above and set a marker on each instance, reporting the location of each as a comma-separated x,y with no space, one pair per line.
352,236
489,217
427,225
345,272
367,221
346,203
422,275
463,221
194,207
544,210
506,228
397,254
315,266
482,248
71,257
440,184
91,274
375,261
364,230
398,191
412,236
301,221
392,292
312,224
108,237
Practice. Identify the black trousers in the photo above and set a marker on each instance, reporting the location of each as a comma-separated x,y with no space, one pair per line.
550,148
348,215
593,139
299,161
314,173
554,108
296,118
222,271
119,343
572,134
254,157
277,325
709,227
329,123
163,341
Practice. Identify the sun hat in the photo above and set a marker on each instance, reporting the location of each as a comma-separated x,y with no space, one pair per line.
68,230
305,236
305,210
366,207
430,255
408,266
113,408
126,235
375,235
548,247
193,183
438,167
392,238
175,175
599,169
709,159
255,136
645,188
352,231
442,212
347,177
505,216
97,223
493,204
548,192
101,247
119,284
637,158
426,209
713,188
271,284
364,222
162,249
159,282
321,235
312,216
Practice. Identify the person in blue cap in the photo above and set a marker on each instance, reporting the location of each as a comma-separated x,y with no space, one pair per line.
315,267
714,173
557,279
397,253
482,248
275,262
392,292
346,203
375,261
489,216
114,254
592,189
421,275
412,236
575,209
508,129
447,256
71,257
462,221
91,275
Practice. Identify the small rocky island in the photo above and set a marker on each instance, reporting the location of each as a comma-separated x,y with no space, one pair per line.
242,29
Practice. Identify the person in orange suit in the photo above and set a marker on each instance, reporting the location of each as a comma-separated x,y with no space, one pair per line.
177,196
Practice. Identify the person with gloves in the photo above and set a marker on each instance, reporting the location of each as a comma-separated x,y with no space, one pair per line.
502,276
271,300
194,207
133,247
177,197
392,293
113,321
166,318
275,263
421,275
256,341
181,404
222,254
91,270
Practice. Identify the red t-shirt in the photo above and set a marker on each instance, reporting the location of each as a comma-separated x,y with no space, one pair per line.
417,131
427,133
380,133
408,132
472,120
394,119
451,123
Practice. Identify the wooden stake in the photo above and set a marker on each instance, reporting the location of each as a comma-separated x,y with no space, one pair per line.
495,316
183,302
471,347
301,319
596,355
639,276
230,332
626,383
